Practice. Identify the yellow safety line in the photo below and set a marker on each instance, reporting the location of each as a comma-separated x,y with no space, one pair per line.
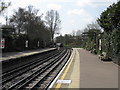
65,72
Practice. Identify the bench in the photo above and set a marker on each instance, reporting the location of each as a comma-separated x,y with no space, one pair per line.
103,56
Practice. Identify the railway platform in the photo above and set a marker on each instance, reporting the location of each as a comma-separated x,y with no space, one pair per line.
86,71
13,55
69,77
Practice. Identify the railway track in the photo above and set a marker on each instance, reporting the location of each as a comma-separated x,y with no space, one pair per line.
38,74
33,63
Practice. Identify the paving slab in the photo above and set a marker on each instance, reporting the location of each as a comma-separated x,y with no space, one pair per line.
95,73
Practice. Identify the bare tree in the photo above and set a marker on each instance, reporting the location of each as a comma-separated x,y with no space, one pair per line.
53,22
94,25
73,33
3,6
78,32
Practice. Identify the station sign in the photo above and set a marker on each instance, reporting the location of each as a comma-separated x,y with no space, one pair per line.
100,44
2,45
26,43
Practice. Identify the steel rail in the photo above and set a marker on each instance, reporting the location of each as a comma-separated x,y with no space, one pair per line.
23,67
55,69
39,78
35,73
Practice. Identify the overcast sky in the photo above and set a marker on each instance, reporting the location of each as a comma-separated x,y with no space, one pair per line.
74,14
